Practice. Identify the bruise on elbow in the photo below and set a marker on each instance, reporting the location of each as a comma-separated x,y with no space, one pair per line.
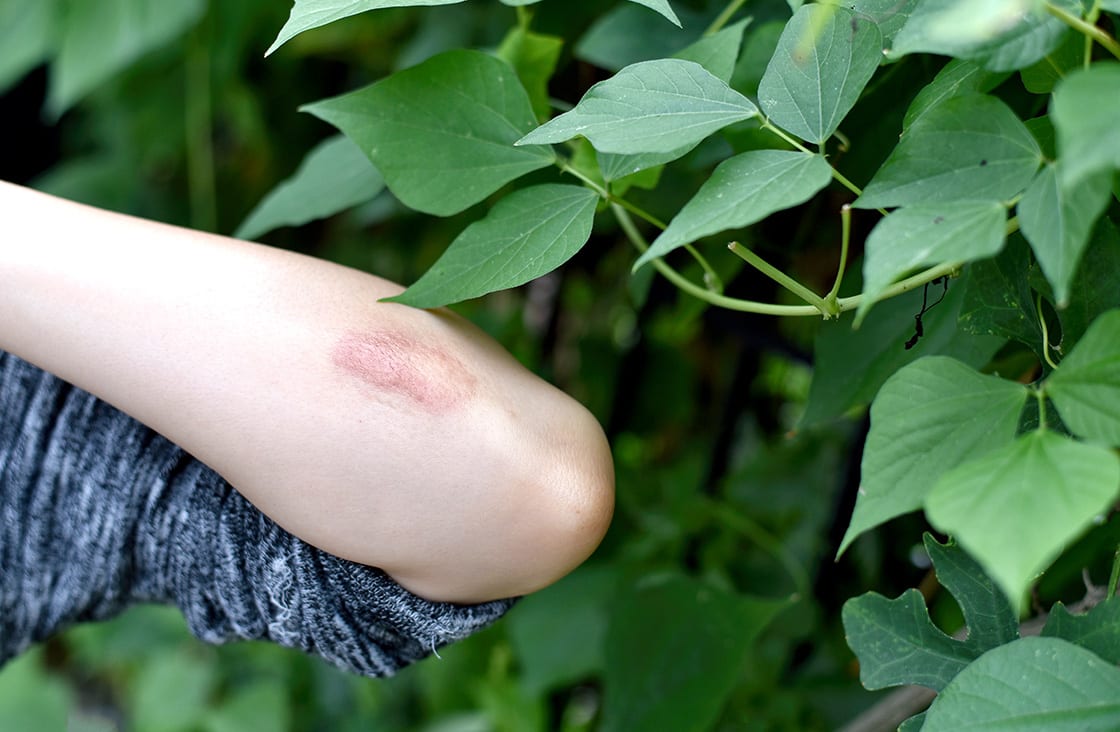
394,364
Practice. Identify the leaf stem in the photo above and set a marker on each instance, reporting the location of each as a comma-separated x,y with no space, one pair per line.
1087,29
722,18
1045,333
1114,578
845,236
782,279
836,174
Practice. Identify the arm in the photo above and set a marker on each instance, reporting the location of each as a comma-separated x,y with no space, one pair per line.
395,437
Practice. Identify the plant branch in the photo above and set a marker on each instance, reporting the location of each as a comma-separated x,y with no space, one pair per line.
722,18
1087,29
1045,334
781,278
831,299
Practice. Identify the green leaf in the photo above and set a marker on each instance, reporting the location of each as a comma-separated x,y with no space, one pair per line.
998,298
987,615
742,190
970,147
889,15
1043,76
1016,508
850,366
675,649
649,107
956,78
100,39
1058,221
663,7
335,175
931,416
27,35
32,699
1031,684
898,644
442,132
561,649
629,34
825,58
262,706
1001,35
171,692
929,234
309,14
1085,107
913,724
1086,386
527,234
534,57
718,52
1097,630
1094,287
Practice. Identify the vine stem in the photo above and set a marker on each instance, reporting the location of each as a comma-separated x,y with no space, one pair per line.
1114,578
781,278
722,18
836,174
832,298
1045,333
1087,29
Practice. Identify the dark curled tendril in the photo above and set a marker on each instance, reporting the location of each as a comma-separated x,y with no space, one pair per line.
919,330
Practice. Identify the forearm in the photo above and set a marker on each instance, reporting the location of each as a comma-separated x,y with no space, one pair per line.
384,434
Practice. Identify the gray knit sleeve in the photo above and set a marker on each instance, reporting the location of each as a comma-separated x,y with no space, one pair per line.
98,512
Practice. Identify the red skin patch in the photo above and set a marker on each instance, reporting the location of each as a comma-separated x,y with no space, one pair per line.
393,363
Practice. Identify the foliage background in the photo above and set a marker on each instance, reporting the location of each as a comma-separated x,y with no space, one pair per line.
715,602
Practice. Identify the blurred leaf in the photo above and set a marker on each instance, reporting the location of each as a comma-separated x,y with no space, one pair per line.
309,14
1001,35
335,175
889,15
557,648
824,59
534,57
662,7
931,416
674,650
527,234
172,692
32,699
925,235
442,133
1085,107
957,78
1014,509
1041,77
1086,385
897,643
850,365
262,706
1031,684
653,106
27,35
967,147
628,34
1057,221
1097,630
100,39
1094,287
742,190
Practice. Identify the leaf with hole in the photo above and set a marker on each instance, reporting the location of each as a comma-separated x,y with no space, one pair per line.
527,234
970,147
1086,386
442,132
1031,684
1016,508
825,57
931,416
649,107
742,190
1097,630
334,176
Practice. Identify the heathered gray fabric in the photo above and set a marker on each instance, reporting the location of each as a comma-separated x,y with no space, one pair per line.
98,512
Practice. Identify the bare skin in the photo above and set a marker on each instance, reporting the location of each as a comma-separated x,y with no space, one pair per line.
400,438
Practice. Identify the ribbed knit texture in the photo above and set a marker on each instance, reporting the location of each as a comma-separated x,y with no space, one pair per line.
98,512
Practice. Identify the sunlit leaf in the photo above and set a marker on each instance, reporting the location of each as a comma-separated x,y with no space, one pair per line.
527,234
742,190
442,133
1058,221
970,147
1031,684
929,234
1016,508
1086,386
309,14
931,416
334,176
650,107
825,57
